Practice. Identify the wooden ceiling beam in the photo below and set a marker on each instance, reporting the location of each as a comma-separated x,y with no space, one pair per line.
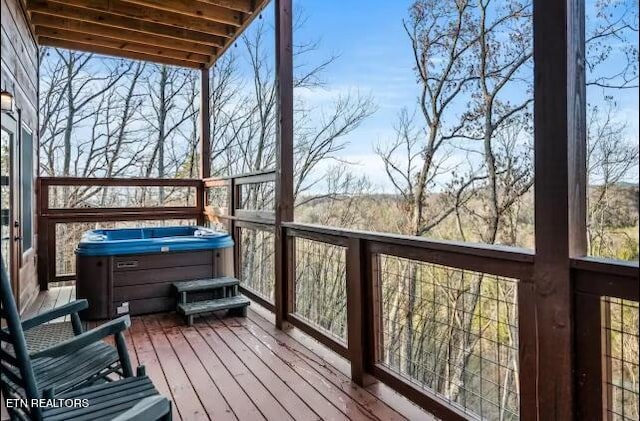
92,48
245,6
57,9
45,21
196,9
223,27
92,39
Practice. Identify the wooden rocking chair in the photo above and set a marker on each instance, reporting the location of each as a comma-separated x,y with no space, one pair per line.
49,374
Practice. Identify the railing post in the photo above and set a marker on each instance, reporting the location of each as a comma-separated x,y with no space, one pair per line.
201,201
43,235
284,151
205,128
356,306
560,199
589,360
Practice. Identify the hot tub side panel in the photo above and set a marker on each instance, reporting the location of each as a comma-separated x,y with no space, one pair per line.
144,281
93,284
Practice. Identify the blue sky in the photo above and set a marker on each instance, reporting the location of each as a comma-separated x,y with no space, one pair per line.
375,58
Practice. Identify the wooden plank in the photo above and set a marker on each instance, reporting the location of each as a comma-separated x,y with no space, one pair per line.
284,152
50,300
605,285
115,52
64,212
17,53
19,18
355,407
133,181
205,284
57,10
246,6
239,401
316,401
490,251
195,9
209,394
260,395
147,356
262,175
257,6
289,359
63,298
336,371
198,307
184,397
554,380
295,406
143,48
118,216
119,8
40,20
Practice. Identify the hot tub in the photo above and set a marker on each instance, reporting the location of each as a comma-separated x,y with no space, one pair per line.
131,270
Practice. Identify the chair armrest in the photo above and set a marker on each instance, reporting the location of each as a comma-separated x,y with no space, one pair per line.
54,313
151,408
86,338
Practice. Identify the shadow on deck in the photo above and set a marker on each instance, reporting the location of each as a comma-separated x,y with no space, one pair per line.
246,369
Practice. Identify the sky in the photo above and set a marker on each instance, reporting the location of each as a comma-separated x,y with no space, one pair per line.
374,58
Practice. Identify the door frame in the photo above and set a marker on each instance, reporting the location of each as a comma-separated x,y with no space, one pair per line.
10,124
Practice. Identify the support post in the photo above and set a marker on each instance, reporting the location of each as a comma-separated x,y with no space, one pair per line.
560,192
205,127
284,152
356,293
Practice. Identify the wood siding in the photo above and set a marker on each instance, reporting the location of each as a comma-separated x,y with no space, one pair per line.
20,77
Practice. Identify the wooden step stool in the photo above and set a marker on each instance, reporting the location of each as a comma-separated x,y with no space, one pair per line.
224,291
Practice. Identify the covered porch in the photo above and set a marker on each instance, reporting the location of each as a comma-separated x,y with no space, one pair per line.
288,361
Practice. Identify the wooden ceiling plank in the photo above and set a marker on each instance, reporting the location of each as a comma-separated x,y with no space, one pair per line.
196,9
92,39
115,52
245,6
45,21
259,6
123,22
157,15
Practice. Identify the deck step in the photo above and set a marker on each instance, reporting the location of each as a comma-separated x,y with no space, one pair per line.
205,284
198,307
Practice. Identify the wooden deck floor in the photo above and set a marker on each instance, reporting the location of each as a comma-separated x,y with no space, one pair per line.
245,369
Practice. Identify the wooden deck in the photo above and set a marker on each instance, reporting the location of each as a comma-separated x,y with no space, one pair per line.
245,369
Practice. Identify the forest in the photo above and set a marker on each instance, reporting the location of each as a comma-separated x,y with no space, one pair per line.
458,167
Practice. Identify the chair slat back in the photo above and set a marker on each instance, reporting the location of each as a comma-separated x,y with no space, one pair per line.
16,365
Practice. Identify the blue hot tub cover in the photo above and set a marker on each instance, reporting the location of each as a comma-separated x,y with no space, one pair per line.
113,242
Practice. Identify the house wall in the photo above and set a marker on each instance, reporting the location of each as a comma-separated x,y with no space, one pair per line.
20,77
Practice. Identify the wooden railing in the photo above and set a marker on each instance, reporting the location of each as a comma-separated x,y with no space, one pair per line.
50,213
361,253
359,258
238,220
600,284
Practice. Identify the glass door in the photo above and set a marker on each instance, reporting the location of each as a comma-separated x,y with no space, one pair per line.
7,198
